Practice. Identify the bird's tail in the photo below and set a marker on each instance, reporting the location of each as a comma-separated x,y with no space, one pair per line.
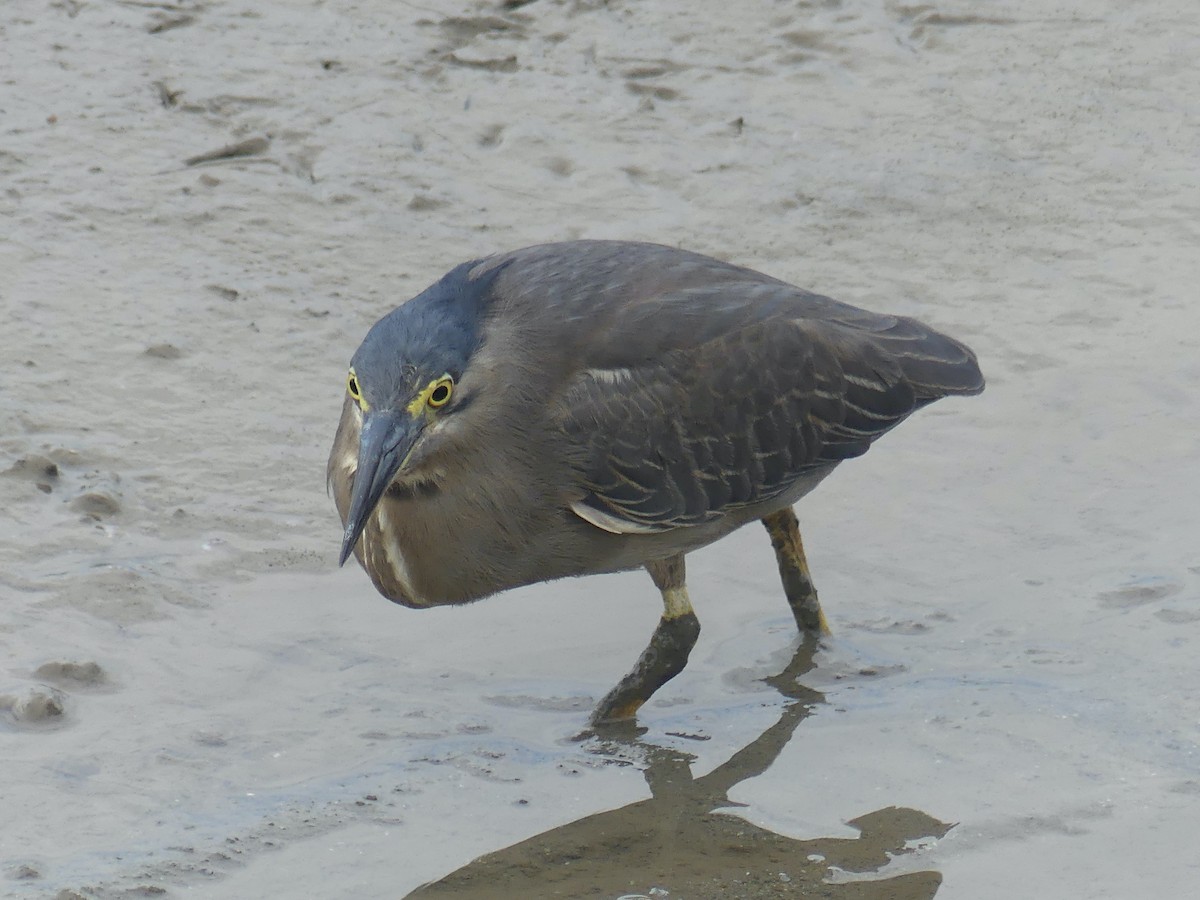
934,364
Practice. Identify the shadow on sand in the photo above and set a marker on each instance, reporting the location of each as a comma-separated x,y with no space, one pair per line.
677,843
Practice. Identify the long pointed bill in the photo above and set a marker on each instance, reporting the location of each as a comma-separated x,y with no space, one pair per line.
386,439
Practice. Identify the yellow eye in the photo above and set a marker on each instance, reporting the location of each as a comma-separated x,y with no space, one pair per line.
352,386
440,395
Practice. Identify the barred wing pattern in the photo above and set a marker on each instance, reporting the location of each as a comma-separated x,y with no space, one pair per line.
702,430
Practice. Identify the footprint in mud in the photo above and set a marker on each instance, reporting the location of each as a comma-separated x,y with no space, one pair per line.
1144,591
64,674
421,202
642,80
491,137
559,165
163,351
651,91
1177,616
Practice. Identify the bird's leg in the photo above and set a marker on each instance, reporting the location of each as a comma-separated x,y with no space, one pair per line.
793,569
667,653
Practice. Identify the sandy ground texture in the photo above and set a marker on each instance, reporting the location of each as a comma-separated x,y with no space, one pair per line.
195,701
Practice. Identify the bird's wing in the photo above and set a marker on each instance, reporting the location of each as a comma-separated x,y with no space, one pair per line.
733,414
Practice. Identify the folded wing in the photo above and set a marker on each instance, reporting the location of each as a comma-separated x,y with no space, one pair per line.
683,425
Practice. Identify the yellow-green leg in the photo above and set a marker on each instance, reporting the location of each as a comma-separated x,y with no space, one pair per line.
667,653
793,570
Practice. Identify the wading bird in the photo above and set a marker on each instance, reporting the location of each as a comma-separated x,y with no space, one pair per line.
594,406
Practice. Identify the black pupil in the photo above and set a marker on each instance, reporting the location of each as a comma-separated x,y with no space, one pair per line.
354,387
440,394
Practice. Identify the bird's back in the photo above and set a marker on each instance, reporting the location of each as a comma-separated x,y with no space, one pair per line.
621,303
692,388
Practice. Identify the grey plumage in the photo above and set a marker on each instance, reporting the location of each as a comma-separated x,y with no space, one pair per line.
613,404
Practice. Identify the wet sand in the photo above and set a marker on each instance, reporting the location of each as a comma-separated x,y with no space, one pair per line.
204,206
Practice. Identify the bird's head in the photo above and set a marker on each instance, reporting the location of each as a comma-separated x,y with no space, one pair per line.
405,388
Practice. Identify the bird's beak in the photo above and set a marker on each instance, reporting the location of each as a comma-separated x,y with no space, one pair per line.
386,439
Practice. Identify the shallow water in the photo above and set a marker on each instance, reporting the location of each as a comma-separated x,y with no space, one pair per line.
195,700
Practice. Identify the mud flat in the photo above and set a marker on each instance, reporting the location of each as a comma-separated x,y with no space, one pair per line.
205,205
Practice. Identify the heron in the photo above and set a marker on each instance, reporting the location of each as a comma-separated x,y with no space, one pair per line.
586,407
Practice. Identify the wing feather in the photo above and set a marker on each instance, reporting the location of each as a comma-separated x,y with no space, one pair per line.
696,388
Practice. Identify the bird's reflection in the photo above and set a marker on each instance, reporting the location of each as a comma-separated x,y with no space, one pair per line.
676,840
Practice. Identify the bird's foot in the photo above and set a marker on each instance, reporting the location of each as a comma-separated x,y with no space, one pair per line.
663,659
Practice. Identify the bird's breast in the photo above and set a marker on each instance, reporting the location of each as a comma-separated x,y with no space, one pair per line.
423,550
386,560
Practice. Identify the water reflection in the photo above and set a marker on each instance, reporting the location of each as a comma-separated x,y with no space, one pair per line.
677,842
